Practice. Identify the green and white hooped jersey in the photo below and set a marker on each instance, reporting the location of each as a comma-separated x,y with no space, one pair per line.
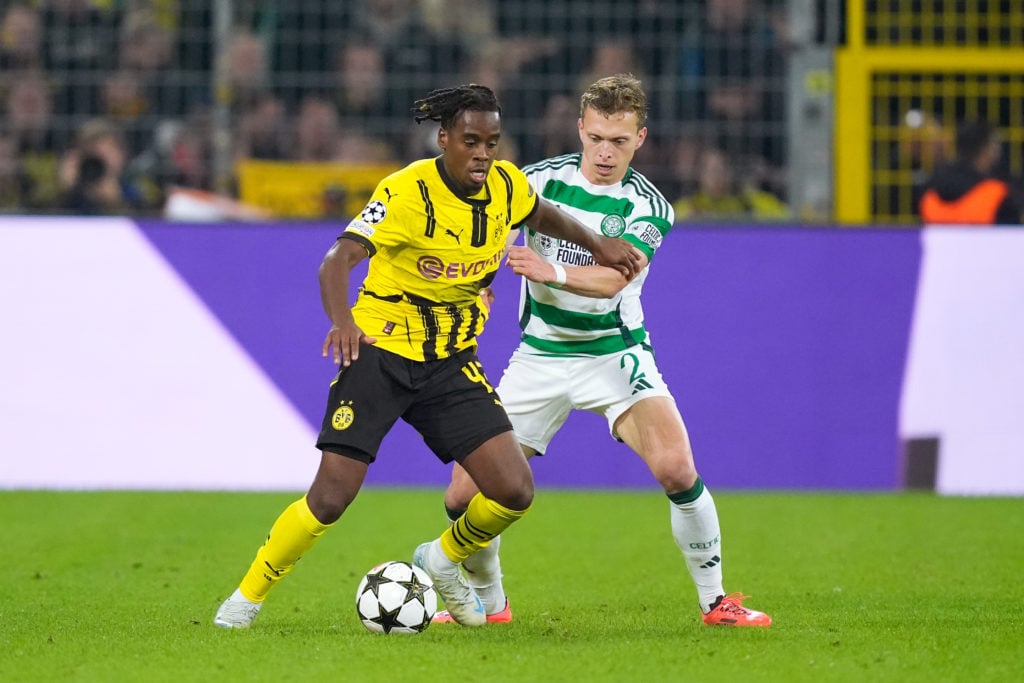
556,322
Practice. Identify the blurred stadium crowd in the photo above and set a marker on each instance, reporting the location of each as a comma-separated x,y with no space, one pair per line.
107,104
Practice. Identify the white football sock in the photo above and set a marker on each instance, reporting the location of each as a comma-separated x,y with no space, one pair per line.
697,533
483,572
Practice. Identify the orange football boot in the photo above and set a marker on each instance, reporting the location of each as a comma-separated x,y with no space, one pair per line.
729,611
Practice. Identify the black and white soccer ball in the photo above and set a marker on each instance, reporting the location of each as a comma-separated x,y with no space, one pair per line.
396,597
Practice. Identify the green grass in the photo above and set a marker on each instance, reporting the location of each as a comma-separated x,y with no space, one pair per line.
885,587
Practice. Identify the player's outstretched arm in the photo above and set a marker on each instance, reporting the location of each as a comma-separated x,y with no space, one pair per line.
607,251
600,282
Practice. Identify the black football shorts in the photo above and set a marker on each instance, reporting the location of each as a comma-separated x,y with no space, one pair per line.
449,401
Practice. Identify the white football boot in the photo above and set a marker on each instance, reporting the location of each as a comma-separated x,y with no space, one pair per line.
237,611
461,601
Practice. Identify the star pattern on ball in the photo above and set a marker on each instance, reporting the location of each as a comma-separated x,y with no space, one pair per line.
415,589
388,620
374,581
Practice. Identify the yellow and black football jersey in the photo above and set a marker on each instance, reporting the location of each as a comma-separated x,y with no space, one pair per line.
432,251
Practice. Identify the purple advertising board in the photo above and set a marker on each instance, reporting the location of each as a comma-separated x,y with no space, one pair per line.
784,346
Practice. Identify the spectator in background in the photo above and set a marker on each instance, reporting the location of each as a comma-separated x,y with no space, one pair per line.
191,152
922,143
361,80
968,191
366,111
612,57
145,44
146,50
731,68
720,197
263,130
123,100
142,92
683,167
356,145
91,172
80,48
416,56
316,131
29,176
21,39
244,72
557,137
179,156
302,42
472,21
28,110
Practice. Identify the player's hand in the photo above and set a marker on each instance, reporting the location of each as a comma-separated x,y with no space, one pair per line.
343,342
619,254
528,263
487,298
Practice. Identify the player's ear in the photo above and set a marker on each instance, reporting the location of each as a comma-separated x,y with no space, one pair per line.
641,136
442,138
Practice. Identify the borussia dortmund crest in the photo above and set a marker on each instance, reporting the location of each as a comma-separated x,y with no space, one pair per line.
343,417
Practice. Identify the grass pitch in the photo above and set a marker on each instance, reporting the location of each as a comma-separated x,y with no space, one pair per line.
122,586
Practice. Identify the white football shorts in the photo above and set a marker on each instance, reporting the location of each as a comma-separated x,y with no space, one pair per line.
539,392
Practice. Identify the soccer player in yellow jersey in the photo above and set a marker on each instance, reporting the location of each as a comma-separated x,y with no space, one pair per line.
435,233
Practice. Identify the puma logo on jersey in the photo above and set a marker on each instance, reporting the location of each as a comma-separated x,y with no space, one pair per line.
448,231
387,191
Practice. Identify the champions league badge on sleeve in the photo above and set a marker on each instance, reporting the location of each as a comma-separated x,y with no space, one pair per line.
374,212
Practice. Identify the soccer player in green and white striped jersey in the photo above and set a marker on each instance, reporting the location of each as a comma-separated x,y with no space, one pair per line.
584,345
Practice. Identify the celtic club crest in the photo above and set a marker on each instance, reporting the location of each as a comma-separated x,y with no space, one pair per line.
613,225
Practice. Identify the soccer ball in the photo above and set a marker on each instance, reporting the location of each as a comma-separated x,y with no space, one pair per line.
396,597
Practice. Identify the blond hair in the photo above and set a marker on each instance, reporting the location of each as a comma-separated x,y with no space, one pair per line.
614,94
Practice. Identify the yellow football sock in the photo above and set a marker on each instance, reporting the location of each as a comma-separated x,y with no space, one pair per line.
483,520
294,532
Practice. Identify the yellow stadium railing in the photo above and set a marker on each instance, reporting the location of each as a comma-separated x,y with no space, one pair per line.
905,80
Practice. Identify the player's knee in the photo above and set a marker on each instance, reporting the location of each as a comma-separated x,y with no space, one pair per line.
513,490
681,476
457,498
326,507
460,491
678,481
519,496
519,501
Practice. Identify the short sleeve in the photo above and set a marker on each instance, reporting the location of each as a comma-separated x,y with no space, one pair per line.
379,224
523,199
647,233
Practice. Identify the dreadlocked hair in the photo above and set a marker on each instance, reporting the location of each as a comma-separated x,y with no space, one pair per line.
446,104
